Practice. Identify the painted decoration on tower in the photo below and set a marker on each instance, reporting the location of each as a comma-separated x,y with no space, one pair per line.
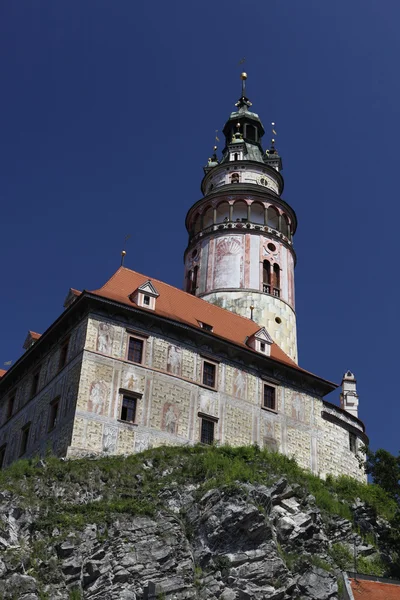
174,360
170,418
104,338
239,384
142,441
98,397
228,265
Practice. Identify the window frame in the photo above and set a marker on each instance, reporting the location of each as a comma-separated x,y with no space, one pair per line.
273,387
64,348
35,382
11,403
215,364
3,450
53,419
210,419
24,441
129,395
352,442
132,335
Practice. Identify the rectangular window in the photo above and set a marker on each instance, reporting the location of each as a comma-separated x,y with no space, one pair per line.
10,406
128,409
146,300
207,431
24,439
35,383
262,346
209,374
54,406
269,400
63,354
353,442
135,350
2,455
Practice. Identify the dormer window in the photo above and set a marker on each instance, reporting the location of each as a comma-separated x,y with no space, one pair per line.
145,295
205,326
261,342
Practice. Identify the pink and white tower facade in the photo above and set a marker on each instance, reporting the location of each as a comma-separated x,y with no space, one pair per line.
240,253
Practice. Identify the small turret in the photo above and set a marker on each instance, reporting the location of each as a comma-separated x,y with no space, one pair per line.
349,396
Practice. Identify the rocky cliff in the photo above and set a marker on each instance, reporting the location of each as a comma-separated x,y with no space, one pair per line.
207,523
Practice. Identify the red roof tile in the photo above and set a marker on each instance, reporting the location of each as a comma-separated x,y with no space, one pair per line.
2,373
34,335
374,590
183,307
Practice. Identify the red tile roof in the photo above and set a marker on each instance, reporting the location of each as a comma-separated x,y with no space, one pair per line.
2,372
178,305
34,335
374,590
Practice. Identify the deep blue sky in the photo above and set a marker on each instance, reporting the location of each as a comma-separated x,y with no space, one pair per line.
108,111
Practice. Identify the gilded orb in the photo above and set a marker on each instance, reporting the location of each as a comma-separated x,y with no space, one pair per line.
243,76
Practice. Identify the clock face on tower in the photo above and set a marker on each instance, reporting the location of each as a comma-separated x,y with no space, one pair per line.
262,180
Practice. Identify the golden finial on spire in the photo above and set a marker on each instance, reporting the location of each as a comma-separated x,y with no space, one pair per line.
123,252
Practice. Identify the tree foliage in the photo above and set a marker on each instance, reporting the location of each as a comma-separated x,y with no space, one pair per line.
385,471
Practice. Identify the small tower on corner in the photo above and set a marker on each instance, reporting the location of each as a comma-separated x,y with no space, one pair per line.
349,396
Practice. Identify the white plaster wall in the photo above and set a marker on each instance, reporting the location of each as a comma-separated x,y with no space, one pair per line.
220,176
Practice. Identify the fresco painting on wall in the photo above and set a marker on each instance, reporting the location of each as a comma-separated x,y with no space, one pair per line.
104,338
298,408
207,404
174,360
110,438
239,384
97,397
141,441
228,262
130,381
170,418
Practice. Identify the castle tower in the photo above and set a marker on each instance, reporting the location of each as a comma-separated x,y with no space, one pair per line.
240,253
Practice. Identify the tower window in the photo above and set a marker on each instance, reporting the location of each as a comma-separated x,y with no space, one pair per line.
269,399
235,176
353,443
207,431
193,283
276,283
135,350
266,277
209,374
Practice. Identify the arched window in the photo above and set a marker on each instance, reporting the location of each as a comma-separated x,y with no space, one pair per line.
222,212
266,276
276,280
236,156
235,176
251,133
208,217
197,224
189,281
240,212
257,213
284,226
273,217
194,280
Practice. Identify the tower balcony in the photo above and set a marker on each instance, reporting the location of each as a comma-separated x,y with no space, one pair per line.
242,225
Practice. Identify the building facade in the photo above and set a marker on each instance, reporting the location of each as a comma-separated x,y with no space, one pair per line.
139,363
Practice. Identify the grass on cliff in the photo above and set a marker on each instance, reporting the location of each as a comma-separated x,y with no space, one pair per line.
72,493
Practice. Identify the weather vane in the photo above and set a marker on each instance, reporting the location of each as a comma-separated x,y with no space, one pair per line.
123,253
273,133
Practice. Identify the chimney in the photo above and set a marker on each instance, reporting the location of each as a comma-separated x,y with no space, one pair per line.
349,396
